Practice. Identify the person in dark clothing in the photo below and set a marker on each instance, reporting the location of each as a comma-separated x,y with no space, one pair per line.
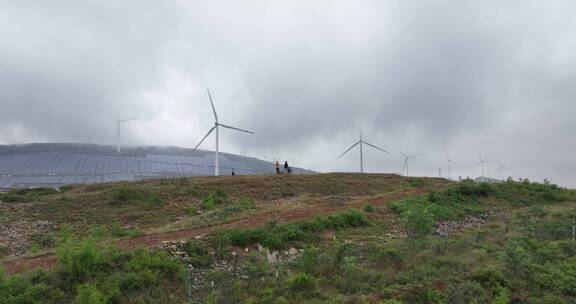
233,172
287,168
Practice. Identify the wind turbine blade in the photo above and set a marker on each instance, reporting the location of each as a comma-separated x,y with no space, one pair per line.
212,103
214,127
354,145
127,119
234,128
373,146
415,155
404,154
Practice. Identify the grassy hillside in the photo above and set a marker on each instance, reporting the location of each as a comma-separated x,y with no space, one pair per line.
336,238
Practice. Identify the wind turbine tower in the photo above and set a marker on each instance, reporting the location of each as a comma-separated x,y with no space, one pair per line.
119,122
216,126
362,142
407,159
481,164
450,163
501,169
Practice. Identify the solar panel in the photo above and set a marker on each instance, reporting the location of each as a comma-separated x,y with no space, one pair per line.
54,164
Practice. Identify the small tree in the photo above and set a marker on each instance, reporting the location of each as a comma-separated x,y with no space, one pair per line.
418,220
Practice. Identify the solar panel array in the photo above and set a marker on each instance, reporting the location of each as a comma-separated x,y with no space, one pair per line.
56,165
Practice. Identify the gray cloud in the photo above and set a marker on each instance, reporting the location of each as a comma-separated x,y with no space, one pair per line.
442,77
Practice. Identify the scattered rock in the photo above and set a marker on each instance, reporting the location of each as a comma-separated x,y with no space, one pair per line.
15,237
468,222
272,257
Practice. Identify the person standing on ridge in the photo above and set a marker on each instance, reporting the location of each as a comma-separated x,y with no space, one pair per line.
277,166
286,167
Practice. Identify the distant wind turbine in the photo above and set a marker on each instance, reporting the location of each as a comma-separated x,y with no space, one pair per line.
406,159
117,136
481,164
450,163
501,169
361,142
215,127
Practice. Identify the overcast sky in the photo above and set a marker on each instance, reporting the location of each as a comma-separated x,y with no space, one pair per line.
445,78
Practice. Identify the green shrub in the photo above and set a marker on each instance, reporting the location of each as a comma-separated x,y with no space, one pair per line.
214,198
116,230
90,294
44,240
34,248
442,205
418,221
91,273
247,202
368,208
415,182
489,278
301,283
82,261
18,289
222,243
426,296
516,259
349,218
502,296
146,269
276,236
124,195
473,188
388,257
66,188
25,195
311,260
192,211
198,253
390,301
558,275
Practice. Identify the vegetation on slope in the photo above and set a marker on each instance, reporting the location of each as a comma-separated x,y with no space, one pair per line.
90,273
526,256
522,254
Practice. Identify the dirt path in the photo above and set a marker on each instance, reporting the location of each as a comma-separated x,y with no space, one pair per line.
49,261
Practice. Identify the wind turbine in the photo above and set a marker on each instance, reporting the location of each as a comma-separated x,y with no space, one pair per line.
501,169
481,164
450,163
406,159
117,136
360,142
215,127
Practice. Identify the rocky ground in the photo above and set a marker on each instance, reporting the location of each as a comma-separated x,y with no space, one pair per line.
200,276
468,222
15,237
